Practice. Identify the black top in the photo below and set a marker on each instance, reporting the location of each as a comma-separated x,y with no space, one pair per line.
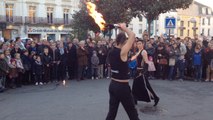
141,63
119,68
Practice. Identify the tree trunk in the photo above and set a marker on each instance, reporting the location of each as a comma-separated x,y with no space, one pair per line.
149,28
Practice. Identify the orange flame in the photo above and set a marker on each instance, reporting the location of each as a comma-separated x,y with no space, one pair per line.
98,17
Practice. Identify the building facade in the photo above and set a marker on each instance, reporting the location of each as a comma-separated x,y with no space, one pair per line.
38,19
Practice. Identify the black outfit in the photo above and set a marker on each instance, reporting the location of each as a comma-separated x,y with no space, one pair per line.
38,71
72,62
27,69
62,65
189,65
162,69
47,60
120,92
55,55
141,89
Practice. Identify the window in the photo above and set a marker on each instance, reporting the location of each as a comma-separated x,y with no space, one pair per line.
203,22
140,31
207,12
9,12
181,32
203,11
32,13
209,21
131,27
66,16
140,17
208,32
188,23
181,23
49,15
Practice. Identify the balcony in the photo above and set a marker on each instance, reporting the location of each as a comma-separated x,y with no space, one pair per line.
182,27
35,20
11,19
194,28
43,20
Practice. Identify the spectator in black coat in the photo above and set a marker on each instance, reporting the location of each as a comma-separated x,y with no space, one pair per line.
72,61
55,54
27,67
46,60
62,62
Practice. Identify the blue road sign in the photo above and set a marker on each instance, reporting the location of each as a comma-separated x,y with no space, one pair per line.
170,23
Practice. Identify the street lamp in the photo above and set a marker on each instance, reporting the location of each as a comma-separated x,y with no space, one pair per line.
61,27
193,20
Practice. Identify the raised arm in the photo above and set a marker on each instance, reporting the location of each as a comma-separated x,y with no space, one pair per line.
128,45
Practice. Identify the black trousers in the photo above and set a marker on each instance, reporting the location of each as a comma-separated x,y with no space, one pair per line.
47,76
121,92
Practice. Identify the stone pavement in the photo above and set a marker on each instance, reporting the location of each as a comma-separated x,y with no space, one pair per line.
88,100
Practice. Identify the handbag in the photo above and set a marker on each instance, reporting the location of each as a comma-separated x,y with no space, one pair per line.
171,62
163,61
151,66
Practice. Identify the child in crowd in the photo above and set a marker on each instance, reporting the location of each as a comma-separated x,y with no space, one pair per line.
46,60
38,70
13,74
95,62
20,67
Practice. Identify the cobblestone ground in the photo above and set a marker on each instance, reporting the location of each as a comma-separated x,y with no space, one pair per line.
88,100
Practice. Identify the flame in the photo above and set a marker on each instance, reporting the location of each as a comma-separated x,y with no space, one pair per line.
98,17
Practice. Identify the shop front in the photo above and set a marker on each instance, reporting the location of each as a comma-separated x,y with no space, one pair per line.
47,33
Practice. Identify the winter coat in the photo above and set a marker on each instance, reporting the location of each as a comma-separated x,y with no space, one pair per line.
26,60
46,59
209,56
95,61
4,68
72,55
13,72
82,57
38,68
102,55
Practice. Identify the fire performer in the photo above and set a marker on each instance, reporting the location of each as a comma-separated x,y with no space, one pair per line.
141,89
119,89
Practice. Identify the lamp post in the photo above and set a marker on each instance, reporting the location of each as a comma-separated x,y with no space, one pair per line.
193,20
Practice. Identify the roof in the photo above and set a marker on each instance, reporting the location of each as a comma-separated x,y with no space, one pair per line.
201,6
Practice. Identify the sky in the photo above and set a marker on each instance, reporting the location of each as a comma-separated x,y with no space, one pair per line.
206,2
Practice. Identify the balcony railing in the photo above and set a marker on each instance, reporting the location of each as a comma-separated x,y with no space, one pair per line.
10,19
35,20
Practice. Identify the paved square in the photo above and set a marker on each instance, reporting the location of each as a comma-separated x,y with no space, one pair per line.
88,100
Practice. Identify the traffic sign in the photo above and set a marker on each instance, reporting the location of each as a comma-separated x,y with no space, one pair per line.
170,23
